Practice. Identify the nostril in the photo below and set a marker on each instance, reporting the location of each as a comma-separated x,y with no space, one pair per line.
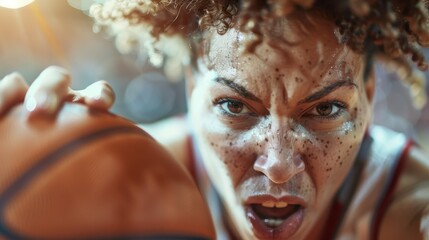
275,169
299,163
279,170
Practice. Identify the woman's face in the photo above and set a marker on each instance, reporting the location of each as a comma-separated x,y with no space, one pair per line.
279,129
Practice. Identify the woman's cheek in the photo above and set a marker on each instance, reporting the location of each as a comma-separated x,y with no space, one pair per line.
329,156
232,150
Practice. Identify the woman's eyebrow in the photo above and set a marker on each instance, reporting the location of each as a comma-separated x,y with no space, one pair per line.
327,90
242,91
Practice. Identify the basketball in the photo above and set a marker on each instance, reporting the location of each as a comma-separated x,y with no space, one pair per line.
87,174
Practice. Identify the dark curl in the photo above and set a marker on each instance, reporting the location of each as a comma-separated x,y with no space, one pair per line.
391,30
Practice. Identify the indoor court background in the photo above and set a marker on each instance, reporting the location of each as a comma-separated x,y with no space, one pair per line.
58,32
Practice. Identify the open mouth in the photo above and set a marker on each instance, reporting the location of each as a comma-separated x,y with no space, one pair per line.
273,214
275,219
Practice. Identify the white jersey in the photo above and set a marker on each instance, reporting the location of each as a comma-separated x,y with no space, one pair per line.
382,155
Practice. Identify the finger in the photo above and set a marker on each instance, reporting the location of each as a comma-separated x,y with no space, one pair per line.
48,91
99,95
12,91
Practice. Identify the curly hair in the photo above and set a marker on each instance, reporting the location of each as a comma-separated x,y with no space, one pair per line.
393,31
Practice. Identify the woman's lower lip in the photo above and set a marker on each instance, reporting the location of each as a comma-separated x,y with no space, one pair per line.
286,230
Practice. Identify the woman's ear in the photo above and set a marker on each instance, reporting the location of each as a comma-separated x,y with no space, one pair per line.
370,87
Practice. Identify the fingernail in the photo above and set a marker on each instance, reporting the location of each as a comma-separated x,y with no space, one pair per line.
99,95
43,102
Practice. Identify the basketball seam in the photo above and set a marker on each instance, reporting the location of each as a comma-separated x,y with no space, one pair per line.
48,161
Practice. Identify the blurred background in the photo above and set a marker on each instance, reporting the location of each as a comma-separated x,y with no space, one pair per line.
59,32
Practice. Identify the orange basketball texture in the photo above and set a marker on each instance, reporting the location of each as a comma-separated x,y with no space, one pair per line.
92,175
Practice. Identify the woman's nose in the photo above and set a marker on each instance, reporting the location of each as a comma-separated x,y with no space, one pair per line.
279,168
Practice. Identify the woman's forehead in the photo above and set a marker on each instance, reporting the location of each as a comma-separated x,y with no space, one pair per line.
308,54
300,37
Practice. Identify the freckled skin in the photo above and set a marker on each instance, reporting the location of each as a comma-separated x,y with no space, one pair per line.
278,145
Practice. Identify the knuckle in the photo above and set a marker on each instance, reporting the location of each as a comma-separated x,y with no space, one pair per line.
56,72
13,81
108,90
105,85
53,79
12,90
55,69
13,75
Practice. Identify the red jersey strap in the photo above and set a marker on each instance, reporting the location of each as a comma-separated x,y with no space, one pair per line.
345,194
388,191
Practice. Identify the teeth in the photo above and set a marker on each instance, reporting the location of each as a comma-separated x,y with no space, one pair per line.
271,204
281,204
273,222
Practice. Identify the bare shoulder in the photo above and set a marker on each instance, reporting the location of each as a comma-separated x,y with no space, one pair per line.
408,214
418,163
415,178
416,171
173,134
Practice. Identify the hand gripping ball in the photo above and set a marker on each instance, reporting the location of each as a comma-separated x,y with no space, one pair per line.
92,175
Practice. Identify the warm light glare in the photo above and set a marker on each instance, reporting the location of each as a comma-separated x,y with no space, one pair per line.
14,3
